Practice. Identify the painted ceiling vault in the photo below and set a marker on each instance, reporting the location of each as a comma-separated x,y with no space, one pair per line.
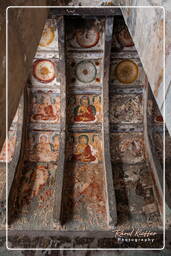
89,137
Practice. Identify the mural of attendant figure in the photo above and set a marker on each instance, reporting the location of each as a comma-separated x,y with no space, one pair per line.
55,146
97,145
97,105
84,112
83,151
45,110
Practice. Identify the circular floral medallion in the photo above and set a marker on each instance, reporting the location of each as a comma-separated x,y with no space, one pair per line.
86,71
124,38
47,36
126,71
87,38
44,70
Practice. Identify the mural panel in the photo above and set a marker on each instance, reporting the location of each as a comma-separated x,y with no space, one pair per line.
43,146
84,199
84,147
127,147
126,108
34,196
85,108
45,106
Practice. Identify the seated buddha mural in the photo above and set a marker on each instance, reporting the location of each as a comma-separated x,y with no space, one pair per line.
44,110
84,112
45,149
83,151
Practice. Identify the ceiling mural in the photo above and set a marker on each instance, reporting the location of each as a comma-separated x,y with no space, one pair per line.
85,114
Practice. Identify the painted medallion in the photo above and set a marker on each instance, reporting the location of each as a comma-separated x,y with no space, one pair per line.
47,36
87,38
86,71
44,70
126,71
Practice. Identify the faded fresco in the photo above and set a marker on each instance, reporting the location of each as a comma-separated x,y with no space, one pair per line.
126,109
85,108
45,106
84,201
43,146
127,148
35,195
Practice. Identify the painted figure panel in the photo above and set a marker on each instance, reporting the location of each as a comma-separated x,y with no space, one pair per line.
34,195
43,146
85,72
126,109
85,108
85,34
84,147
45,106
84,196
127,148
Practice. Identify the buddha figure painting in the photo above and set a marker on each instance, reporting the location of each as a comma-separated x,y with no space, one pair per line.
45,107
45,149
83,151
84,112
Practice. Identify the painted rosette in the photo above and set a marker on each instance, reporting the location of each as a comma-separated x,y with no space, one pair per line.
87,38
86,71
44,70
124,38
126,71
47,36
